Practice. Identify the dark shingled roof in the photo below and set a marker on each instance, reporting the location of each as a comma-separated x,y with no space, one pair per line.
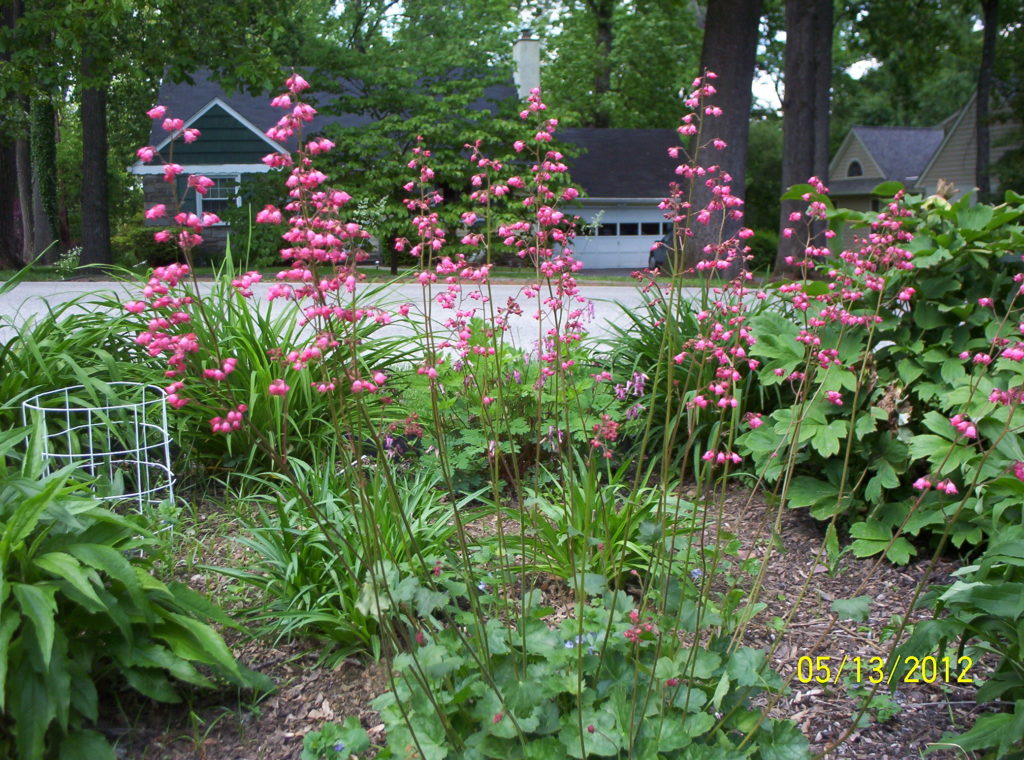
184,100
612,163
622,163
901,153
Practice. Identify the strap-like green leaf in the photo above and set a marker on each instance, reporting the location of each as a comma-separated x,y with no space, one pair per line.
39,606
9,620
67,568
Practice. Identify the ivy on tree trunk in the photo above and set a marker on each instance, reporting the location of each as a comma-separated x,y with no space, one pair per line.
95,217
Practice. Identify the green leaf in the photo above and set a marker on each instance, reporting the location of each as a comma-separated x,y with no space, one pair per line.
857,608
66,567
39,605
784,742
32,709
887,189
975,218
805,491
901,551
211,644
9,621
113,563
86,745
744,666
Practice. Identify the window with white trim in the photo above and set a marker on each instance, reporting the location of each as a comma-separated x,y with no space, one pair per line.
222,195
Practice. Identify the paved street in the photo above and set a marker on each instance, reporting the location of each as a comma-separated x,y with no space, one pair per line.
30,299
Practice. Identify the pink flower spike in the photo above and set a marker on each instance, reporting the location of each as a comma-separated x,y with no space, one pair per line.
278,388
156,112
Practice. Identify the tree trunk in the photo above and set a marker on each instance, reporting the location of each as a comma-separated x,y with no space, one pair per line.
26,221
805,108
10,257
9,253
43,142
982,159
95,212
603,11
730,52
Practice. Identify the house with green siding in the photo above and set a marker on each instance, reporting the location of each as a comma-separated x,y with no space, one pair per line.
232,145
624,173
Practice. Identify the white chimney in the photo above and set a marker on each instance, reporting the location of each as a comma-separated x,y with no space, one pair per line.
526,55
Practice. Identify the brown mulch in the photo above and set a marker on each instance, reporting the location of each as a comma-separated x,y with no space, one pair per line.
309,693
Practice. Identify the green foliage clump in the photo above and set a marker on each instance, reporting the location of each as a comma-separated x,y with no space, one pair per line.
81,613
981,615
325,550
873,459
613,682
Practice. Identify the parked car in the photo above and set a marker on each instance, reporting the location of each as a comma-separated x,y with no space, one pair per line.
662,254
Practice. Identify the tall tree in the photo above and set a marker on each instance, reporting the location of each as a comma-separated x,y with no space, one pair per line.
729,50
88,47
805,110
10,254
449,89
654,50
983,156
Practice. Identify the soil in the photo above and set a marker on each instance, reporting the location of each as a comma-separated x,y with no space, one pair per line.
309,694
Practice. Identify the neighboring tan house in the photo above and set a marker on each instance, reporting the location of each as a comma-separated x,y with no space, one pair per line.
918,157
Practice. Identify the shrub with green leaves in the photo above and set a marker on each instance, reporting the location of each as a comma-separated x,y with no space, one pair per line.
899,379
982,615
80,612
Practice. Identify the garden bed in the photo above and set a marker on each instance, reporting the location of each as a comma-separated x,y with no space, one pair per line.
904,722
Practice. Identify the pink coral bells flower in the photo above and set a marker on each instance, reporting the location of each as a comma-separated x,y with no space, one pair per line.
985,302
156,112
1018,470
296,84
946,486
135,307
172,125
190,135
146,154
171,171
922,484
157,211
906,294
278,388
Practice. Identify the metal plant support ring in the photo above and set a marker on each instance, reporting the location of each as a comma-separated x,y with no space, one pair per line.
116,433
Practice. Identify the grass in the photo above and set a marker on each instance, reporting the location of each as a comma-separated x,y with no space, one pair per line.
373,275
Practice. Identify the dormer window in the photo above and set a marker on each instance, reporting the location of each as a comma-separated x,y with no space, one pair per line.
854,169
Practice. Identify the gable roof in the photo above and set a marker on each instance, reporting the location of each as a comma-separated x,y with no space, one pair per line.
622,163
900,153
188,101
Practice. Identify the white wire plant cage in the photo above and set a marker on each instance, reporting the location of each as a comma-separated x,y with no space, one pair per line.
116,433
